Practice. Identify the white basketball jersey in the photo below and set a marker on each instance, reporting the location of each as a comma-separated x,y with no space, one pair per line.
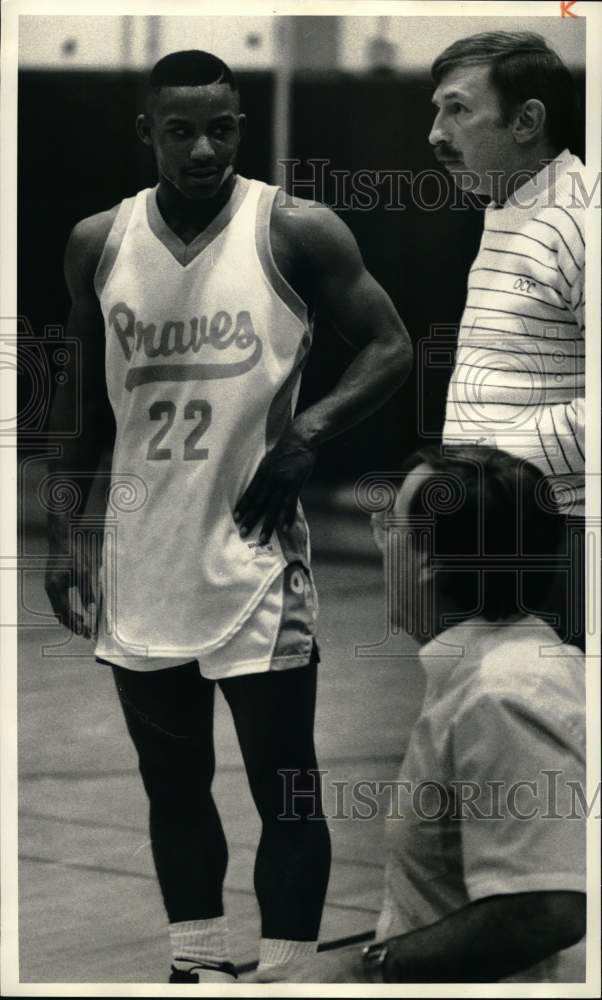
205,343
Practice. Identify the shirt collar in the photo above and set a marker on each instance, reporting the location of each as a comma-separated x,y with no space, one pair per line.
442,653
457,644
536,186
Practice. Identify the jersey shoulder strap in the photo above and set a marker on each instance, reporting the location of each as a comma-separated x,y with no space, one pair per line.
113,243
263,244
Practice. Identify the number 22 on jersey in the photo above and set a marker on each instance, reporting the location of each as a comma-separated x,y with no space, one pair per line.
166,412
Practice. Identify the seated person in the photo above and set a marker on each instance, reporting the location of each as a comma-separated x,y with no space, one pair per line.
485,874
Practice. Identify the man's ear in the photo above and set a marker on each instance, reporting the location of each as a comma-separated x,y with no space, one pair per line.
242,125
143,129
424,568
529,122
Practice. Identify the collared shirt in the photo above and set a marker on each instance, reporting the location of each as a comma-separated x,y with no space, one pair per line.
519,376
494,767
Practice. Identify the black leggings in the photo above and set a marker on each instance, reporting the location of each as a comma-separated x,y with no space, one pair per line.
169,714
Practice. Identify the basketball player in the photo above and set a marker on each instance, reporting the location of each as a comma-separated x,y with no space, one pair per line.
194,304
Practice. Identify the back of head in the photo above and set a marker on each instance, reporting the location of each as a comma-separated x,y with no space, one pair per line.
522,66
492,516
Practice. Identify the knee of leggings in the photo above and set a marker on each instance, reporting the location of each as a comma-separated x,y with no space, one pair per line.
284,800
176,782
178,805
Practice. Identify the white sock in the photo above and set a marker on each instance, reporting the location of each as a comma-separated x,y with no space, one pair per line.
198,941
281,960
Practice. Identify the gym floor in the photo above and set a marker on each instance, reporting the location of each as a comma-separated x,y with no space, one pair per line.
90,909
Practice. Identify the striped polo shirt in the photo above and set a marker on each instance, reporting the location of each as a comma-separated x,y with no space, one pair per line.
519,377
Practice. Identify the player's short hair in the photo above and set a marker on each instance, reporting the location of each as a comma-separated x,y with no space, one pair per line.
490,515
521,66
189,68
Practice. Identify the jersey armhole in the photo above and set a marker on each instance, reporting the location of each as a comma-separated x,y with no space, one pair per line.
112,245
263,244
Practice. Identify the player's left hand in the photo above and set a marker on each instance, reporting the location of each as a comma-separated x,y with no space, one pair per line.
272,494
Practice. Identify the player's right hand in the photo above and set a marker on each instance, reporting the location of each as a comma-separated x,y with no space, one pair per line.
59,583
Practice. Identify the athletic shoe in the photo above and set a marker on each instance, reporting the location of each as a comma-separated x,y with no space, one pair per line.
204,972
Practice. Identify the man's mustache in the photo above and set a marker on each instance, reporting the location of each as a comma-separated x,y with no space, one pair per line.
443,153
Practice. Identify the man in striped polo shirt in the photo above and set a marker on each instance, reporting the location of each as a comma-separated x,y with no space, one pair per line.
505,110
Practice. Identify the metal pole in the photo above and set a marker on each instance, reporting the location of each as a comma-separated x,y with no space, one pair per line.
153,33
282,97
127,36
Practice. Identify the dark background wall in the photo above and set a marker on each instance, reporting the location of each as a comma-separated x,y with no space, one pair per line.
78,154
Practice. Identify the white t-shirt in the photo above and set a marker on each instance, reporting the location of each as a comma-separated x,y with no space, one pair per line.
501,707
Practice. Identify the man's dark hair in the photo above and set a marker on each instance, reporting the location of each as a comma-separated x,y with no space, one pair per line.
521,66
190,68
490,514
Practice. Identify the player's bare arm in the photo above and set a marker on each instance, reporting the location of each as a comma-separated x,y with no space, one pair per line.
318,255
83,390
